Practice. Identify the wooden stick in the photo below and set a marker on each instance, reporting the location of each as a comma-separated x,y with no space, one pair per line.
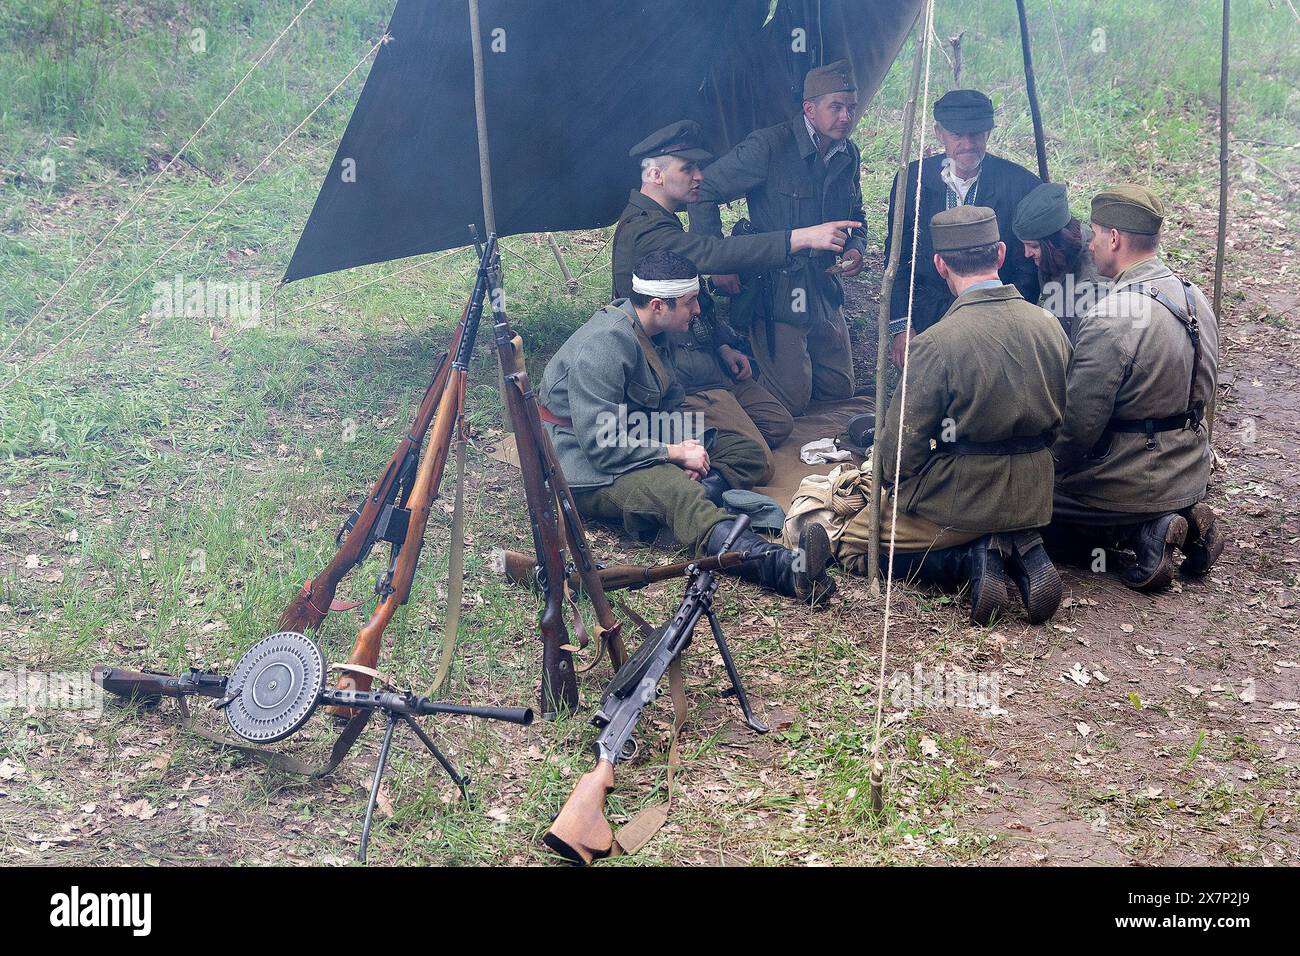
480,119
886,290
1223,162
1031,87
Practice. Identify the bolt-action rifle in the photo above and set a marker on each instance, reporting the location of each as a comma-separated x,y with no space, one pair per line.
522,569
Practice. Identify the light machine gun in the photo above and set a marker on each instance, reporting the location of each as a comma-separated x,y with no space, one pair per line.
275,688
581,833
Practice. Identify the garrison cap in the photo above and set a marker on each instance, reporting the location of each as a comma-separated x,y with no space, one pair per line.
963,228
676,139
964,111
1129,209
834,77
1044,212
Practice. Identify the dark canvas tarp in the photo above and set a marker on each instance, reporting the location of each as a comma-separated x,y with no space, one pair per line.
577,83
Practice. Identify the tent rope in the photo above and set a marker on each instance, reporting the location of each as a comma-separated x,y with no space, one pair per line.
386,276
148,189
221,202
902,397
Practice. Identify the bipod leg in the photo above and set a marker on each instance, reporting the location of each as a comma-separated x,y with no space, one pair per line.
461,782
374,784
736,688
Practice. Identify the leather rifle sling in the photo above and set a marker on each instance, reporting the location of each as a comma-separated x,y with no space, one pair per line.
637,832
284,762
455,571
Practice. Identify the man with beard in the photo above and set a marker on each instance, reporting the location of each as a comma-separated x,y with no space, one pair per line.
1133,459
710,357
965,174
799,173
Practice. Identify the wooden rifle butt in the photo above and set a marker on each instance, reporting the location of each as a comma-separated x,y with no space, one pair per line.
581,833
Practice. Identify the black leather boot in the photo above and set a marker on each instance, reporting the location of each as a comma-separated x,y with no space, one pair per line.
714,485
1036,577
1204,541
990,596
797,574
975,564
1153,542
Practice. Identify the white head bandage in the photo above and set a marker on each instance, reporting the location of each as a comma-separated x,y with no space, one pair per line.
665,288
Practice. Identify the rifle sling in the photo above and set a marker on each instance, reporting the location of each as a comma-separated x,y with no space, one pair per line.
455,575
284,762
637,832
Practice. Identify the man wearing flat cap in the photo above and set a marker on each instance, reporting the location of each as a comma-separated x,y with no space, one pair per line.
1133,460
985,400
710,358
794,175
965,174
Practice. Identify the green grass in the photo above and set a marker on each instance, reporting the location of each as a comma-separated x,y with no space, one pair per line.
178,480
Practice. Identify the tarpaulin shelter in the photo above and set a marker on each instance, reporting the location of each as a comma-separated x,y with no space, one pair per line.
569,86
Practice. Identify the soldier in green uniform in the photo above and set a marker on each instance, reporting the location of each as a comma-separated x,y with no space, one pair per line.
1055,243
1133,460
710,357
797,174
633,456
985,399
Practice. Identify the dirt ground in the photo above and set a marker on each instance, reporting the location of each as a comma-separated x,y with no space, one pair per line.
1131,729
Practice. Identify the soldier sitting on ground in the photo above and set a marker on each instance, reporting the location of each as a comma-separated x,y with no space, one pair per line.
1133,460
1054,240
633,456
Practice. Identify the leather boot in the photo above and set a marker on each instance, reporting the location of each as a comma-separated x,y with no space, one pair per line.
714,485
975,564
1153,542
1204,541
990,597
796,574
1035,576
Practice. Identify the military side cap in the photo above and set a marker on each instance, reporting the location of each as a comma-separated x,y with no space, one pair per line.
964,111
682,138
1129,209
1044,212
834,77
964,228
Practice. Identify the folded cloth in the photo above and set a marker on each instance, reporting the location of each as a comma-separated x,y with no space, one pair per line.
764,513
823,452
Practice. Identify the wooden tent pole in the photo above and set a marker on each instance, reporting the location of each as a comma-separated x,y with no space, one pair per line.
1223,161
886,290
480,118
1031,87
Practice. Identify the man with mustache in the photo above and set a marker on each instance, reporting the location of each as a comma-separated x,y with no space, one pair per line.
710,357
965,174
799,173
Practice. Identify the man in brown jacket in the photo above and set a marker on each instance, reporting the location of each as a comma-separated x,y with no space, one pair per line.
1133,460
985,399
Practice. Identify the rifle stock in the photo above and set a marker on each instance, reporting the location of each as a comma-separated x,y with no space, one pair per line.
581,833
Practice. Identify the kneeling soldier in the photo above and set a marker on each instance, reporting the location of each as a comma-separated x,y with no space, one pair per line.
985,398
1133,460
630,454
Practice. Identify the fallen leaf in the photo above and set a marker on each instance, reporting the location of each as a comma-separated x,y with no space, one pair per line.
1083,729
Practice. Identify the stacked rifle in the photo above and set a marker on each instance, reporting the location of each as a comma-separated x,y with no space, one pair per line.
280,682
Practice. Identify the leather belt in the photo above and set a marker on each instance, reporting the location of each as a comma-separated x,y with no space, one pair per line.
1008,446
